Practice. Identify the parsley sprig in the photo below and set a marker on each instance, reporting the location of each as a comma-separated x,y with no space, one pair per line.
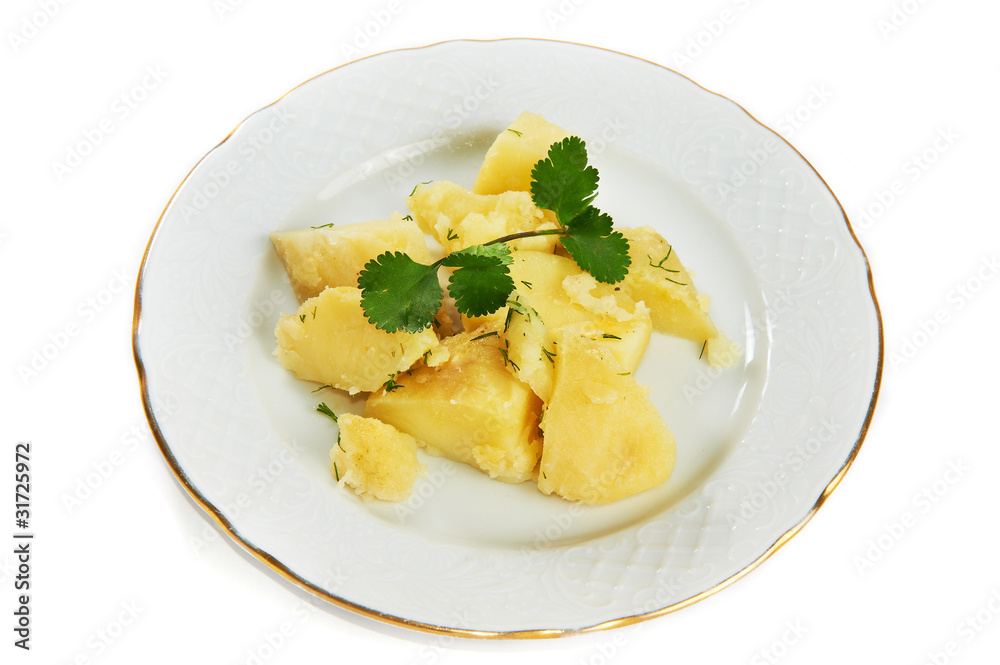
397,293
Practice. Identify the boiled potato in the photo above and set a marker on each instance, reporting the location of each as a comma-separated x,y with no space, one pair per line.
658,278
374,459
457,218
530,347
561,293
603,439
515,152
468,408
330,340
317,258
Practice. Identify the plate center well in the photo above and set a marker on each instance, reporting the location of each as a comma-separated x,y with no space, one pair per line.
707,410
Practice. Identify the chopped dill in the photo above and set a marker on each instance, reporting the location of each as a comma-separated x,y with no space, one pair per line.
324,409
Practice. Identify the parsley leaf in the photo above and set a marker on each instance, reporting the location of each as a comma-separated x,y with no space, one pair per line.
398,293
481,289
596,247
482,281
563,182
478,256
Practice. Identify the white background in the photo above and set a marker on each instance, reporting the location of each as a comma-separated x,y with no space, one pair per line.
899,566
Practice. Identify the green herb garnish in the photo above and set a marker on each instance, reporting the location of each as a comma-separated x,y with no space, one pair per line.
400,294
663,268
507,360
414,190
596,247
324,409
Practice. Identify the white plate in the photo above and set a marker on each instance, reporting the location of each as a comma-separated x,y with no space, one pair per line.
760,446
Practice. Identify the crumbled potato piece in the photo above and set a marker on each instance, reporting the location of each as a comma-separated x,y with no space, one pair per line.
375,459
458,218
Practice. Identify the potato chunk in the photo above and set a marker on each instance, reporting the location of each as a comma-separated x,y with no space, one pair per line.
317,258
329,340
658,278
457,218
530,347
374,459
469,408
553,289
515,152
603,439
